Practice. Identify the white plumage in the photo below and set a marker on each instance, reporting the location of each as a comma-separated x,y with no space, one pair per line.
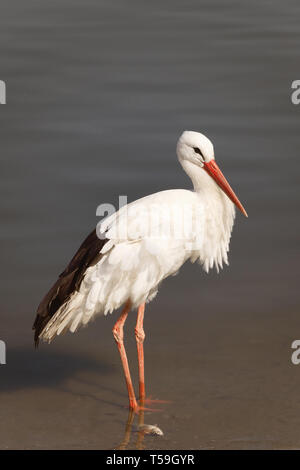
151,238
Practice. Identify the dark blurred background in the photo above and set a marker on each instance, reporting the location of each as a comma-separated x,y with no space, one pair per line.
97,95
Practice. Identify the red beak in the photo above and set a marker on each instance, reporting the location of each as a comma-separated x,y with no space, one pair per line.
214,171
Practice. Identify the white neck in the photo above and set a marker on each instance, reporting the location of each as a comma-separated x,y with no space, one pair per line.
202,182
219,216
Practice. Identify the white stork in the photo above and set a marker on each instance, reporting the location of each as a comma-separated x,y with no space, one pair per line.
124,261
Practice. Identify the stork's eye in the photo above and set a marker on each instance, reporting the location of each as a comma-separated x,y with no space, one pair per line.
197,150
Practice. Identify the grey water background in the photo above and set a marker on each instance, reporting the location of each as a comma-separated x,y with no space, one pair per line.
97,94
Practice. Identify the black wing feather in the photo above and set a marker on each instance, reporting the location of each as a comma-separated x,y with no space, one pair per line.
68,281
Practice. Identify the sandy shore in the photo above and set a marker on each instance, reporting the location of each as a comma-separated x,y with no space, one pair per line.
228,377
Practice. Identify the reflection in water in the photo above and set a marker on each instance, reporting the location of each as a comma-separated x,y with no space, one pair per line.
127,434
142,429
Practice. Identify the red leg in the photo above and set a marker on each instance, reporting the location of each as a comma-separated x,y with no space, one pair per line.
119,335
140,336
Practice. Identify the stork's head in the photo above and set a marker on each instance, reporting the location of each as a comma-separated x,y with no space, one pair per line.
195,151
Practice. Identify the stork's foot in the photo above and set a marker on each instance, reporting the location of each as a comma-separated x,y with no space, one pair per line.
136,407
150,400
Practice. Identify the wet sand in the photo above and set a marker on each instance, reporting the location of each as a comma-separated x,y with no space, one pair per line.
228,377
97,97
